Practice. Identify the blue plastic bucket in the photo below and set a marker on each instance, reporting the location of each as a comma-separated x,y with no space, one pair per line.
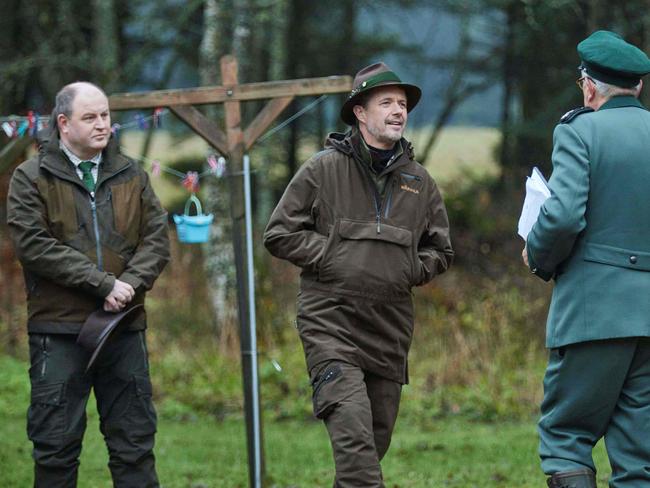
193,229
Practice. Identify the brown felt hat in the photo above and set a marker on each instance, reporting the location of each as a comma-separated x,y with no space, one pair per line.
98,327
374,76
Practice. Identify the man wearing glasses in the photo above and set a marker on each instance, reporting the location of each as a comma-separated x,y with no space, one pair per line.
593,238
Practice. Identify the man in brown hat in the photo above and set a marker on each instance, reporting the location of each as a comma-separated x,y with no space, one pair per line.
366,223
90,234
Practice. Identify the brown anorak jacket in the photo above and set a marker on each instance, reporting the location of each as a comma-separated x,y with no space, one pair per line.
361,251
73,244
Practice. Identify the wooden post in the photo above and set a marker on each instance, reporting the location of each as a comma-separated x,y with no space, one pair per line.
232,146
235,138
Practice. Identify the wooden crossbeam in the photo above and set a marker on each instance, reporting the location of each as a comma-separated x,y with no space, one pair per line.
220,94
203,126
232,145
263,119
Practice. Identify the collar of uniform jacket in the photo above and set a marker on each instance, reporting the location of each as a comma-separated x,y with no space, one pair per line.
51,157
622,101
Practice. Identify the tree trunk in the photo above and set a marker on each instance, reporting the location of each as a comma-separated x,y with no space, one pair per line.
508,73
295,41
458,90
219,253
105,44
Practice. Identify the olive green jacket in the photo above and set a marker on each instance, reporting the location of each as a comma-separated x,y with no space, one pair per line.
360,252
73,244
593,233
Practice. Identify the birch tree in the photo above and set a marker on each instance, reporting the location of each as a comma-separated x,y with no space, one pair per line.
219,257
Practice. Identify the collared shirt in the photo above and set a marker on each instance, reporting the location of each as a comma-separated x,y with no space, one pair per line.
76,161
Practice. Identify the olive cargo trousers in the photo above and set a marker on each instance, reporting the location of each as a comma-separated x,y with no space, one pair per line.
359,410
592,390
56,419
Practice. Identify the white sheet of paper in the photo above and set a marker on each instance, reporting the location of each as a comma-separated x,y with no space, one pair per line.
536,194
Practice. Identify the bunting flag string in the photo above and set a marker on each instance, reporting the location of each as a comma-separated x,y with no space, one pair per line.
18,126
189,180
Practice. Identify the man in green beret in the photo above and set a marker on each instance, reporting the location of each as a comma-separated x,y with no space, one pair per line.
366,223
592,237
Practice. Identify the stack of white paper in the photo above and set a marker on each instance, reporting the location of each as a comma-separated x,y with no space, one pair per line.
536,194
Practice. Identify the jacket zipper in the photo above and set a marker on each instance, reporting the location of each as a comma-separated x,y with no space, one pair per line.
376,197
378,213
93,207
411,177
386,203
389,197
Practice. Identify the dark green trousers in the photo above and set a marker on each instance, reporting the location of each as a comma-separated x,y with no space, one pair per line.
359,410
56,419
593,390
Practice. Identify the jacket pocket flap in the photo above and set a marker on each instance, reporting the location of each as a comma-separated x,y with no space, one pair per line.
349,229
616,256
142,386
50,394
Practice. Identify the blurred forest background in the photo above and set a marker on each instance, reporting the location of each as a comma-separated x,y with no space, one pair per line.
496,77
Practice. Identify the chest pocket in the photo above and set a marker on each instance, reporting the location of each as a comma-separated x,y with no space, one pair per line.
62,215
362,259
410,183
127,210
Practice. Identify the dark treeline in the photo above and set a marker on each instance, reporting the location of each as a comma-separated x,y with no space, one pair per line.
526,49
513,57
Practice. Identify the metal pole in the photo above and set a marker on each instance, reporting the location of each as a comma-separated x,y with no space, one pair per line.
257,426
235,138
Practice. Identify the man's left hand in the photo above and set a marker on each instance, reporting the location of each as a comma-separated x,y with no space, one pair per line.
121,295
113,305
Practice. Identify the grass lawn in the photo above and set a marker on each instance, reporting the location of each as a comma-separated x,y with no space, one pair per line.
205,453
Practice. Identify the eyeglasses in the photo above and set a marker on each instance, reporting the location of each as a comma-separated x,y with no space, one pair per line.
581,81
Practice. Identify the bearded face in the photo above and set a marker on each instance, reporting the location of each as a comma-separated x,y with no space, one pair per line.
383,118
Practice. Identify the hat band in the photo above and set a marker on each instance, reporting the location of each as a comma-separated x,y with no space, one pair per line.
610,77
386,76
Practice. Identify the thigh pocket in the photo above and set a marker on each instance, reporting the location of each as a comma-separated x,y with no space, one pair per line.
326,393
141,412
46,414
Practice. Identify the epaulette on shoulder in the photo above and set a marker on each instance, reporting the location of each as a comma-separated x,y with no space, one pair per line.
572,114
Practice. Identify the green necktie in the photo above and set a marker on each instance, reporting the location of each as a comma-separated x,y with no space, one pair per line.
86,169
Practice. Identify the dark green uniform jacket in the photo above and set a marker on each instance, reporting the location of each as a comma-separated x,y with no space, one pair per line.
593,233
360,253
72,246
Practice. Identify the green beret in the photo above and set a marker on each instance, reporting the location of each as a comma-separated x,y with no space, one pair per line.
608,58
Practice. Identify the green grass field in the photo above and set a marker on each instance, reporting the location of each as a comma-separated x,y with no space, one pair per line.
201,452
